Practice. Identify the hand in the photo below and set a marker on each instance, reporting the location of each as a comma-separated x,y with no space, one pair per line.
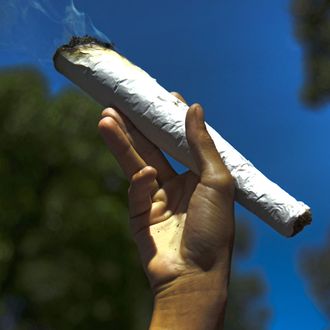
183,224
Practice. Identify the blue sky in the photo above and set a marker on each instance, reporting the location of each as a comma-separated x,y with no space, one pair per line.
241,61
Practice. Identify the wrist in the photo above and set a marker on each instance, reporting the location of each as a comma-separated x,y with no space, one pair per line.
191,302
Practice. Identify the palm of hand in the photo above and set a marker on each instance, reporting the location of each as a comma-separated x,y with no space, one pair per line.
184,229
158,232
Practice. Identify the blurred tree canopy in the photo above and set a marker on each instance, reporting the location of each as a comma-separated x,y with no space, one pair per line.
66,257
64,242
316,267
312,27
247,308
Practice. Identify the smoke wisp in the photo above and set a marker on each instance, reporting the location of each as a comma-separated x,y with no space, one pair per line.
42,26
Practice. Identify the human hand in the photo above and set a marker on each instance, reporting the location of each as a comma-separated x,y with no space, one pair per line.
183,224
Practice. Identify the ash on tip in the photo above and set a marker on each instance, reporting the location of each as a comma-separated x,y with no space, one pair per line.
85,40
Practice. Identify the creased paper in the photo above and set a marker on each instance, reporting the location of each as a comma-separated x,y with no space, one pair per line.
114,81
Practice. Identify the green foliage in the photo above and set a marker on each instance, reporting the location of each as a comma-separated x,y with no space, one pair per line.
312,26
66,256
247,309
316,267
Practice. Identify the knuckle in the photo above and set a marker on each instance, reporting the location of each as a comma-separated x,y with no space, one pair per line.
227,181
226,184
221,181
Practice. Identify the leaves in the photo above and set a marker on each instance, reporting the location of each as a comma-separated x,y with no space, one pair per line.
312,27
316,268
247,308
66,255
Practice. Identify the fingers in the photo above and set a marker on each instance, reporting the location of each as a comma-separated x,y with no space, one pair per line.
141,189
127,157
179,96
213,171
147,150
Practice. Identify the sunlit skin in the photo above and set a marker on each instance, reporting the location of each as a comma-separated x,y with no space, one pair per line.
183,225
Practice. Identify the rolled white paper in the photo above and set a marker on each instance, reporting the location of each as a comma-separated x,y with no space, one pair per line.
114,81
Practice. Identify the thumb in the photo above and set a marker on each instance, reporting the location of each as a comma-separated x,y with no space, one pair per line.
213,171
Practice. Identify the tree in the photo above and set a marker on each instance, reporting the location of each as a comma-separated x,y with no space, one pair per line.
246,309
312,22
316,268
66,256
312,26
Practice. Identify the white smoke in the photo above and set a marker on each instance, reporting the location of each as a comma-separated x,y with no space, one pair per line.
78,23
37,27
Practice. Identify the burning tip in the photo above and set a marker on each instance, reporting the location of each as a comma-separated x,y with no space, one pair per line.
78,41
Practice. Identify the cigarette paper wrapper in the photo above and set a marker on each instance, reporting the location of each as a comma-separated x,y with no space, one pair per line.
114,81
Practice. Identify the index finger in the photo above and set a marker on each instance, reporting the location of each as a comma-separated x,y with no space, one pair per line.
124,152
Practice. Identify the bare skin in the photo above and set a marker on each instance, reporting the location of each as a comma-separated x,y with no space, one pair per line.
182,224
